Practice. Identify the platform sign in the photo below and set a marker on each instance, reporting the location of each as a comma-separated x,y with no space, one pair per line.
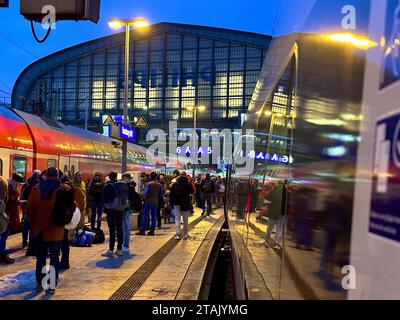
141,123
390,68
127,133
384,217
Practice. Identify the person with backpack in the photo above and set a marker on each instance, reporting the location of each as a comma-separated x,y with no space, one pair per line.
79,200
133,199
94,194
180,198
208,189
4,232
26,191
48,236
152,195
198,195
115,200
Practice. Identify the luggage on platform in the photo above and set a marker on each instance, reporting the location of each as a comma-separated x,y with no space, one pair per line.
84,238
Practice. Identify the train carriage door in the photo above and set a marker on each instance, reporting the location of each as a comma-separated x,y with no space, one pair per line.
74,165
5,163
64,164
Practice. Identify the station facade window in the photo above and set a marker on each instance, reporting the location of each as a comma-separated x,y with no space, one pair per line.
167,71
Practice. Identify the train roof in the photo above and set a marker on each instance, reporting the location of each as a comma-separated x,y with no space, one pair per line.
52,137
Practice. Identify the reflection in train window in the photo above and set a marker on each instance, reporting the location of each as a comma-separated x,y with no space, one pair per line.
51,163
65,168
19,165
72,170
1,167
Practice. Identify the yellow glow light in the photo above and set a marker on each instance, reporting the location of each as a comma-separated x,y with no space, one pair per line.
201,108
115,24
349,38
140,23
327,122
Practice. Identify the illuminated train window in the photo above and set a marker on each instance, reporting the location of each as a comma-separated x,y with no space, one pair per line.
51,163
19,165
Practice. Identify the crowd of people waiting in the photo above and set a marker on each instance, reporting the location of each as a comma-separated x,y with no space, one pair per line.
47,193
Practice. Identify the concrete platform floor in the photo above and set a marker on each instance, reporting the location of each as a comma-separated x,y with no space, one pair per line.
93,277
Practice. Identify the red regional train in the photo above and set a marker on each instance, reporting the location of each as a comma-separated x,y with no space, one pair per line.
29,142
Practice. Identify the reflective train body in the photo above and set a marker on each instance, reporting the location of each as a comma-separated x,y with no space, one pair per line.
335,98
28,142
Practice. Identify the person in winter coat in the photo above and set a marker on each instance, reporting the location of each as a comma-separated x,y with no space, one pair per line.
180,199
116,202
94,194
4,258
26,191
12,205
48,237
78,183
274,211
208,189
70,234
198,195
126,215
152,196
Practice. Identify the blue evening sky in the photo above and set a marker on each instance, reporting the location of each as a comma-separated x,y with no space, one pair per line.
18,48
248,15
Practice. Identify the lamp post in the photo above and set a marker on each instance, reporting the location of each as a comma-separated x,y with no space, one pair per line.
118,24
195,109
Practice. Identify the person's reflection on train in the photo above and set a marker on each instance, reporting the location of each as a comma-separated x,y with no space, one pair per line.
255,191
280,225
273,212
336,231
242,189
303,219
266,189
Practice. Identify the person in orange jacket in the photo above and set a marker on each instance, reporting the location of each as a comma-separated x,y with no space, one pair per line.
48,236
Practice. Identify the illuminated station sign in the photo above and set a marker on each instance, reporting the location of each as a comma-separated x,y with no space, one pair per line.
127,133
273,157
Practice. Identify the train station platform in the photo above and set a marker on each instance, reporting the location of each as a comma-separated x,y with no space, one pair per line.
157,267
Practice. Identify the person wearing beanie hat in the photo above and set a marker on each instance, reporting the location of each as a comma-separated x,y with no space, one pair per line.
26,191
12,208
94,198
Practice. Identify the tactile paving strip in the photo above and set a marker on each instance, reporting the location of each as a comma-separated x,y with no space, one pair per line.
136,280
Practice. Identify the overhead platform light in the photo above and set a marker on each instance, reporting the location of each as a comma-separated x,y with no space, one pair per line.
352,39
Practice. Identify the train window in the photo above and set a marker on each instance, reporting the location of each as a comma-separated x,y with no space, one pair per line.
1,167
19,165
72,170
51,163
